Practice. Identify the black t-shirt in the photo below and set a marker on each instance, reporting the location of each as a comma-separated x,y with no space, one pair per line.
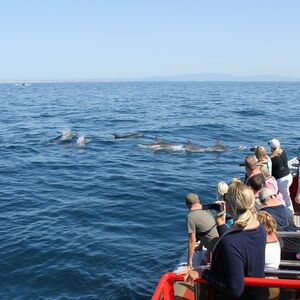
280,166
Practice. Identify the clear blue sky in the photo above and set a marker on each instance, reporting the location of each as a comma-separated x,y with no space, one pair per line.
89,39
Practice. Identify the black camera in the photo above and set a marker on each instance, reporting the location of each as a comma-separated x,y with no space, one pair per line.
214,206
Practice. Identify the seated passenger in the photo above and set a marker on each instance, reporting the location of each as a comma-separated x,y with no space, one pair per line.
263,158
271,183
222,188
240,250
201,226
273,248
256,183
284,220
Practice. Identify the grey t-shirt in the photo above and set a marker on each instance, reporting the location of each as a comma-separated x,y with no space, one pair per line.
204,225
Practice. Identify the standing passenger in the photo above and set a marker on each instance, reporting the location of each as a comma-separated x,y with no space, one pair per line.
201,226
281,172
240,250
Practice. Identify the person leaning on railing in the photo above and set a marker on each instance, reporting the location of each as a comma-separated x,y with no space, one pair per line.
240,250
201,226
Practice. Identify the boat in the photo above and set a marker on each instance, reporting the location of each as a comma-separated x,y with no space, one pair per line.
281,284
23,84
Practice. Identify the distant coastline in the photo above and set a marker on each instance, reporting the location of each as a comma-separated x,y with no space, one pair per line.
206,77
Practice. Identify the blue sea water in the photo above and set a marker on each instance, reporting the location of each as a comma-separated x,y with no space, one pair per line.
104,221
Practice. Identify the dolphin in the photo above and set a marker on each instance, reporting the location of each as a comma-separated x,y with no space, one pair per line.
190,147
127,135
70,138
82,140
160,145
217,147
65,136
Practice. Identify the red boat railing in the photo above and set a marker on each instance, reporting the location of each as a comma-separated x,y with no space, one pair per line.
165,287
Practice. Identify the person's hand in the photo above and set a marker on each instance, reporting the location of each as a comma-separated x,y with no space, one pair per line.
198,248
221,216
192,275
185,270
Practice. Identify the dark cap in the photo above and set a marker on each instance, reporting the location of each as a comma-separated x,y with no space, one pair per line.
192,198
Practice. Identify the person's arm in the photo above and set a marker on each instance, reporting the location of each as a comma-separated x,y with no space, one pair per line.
221,221
191,247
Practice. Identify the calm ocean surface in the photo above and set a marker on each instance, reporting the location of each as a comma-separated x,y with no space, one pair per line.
104,221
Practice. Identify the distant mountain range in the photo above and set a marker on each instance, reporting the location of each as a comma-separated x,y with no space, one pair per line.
187,77
221,77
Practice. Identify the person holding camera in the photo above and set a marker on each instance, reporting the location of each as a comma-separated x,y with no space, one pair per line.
240,250
201,226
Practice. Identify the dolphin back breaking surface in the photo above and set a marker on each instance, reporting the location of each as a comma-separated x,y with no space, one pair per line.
127,135
161,145
70,138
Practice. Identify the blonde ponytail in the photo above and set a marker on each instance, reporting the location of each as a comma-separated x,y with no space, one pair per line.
241,199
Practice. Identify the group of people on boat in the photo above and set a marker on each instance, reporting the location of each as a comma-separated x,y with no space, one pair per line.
246,244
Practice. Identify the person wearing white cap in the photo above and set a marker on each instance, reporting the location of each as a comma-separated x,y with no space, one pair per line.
281,171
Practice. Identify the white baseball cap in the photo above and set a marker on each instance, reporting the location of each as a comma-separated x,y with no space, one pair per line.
274,143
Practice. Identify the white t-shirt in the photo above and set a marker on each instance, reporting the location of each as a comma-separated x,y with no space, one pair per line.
273,252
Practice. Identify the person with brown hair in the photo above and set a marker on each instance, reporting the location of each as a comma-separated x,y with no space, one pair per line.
251,167
273,248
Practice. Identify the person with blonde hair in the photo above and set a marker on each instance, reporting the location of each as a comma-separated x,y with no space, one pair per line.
263,158
222,188
240,250
273,248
